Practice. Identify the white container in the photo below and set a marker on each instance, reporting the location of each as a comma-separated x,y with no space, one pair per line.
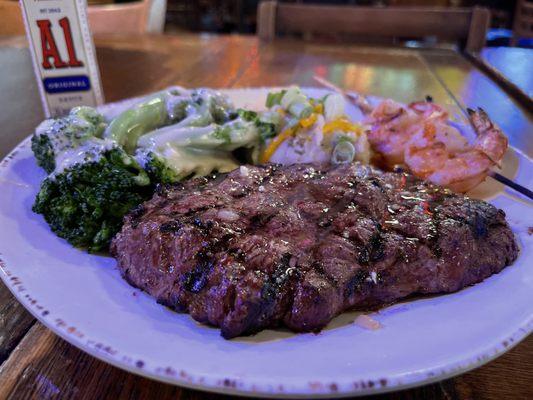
63,54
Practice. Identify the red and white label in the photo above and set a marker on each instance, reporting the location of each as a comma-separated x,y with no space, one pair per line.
63,54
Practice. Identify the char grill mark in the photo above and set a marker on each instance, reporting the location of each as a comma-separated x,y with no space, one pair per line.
172,226
195,280
373,251
295,246
356,283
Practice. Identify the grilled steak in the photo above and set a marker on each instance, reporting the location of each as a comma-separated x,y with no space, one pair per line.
265,246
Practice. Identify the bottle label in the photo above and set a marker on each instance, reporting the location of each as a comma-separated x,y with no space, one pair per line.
63,54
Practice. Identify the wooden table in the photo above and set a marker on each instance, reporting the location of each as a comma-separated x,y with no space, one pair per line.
36,363
512,68
515,64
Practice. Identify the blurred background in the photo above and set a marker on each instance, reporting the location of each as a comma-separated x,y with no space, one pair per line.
511,20
227,16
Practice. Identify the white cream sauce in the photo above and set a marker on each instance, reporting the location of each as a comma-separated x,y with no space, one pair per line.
198,162
89,151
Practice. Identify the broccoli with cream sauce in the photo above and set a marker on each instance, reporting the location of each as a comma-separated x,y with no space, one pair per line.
176,106
176,152
92,181
55,136
267,123
85,204
99,169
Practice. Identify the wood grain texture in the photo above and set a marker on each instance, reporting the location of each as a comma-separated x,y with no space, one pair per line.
131,17
465,25
20,103
103,17
15,321
477,31
45,366
12,22
266,20
511,69
473,88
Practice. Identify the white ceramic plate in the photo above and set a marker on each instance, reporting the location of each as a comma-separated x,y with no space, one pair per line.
83,299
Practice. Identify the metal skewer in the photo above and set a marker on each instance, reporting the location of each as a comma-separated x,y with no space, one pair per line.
507,182
361,102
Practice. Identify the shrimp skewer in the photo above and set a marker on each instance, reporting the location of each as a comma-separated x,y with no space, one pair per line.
392,126
419,136
461,170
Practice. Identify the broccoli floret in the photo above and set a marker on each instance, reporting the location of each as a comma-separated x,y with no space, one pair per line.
198,108
129,126
213,105
266,129
98,172
85,204
247,115
54,136
158,170
92,116
44,152
174,163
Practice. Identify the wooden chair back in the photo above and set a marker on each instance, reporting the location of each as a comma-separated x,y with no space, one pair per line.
11,18
523,21
466,25
124,17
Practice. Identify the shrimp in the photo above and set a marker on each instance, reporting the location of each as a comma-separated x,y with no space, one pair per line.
459,169
393,125
419,136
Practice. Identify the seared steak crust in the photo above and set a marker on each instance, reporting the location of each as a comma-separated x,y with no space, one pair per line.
265,246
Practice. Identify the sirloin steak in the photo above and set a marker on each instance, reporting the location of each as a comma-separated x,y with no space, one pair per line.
266,246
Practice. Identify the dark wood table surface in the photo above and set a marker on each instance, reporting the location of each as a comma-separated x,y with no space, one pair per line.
35,363
515,64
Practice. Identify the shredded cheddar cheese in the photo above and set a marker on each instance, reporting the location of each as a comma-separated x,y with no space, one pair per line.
276,142
319,108
309,121
341,124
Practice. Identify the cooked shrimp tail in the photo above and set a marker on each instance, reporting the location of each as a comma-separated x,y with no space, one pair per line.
490,140
460,169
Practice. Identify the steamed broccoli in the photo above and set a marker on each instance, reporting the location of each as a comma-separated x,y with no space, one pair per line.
174,163
159,170
176,152
200,143
54,136
265,123
99,171
212,104
175,106
92,182
86,202
136,121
